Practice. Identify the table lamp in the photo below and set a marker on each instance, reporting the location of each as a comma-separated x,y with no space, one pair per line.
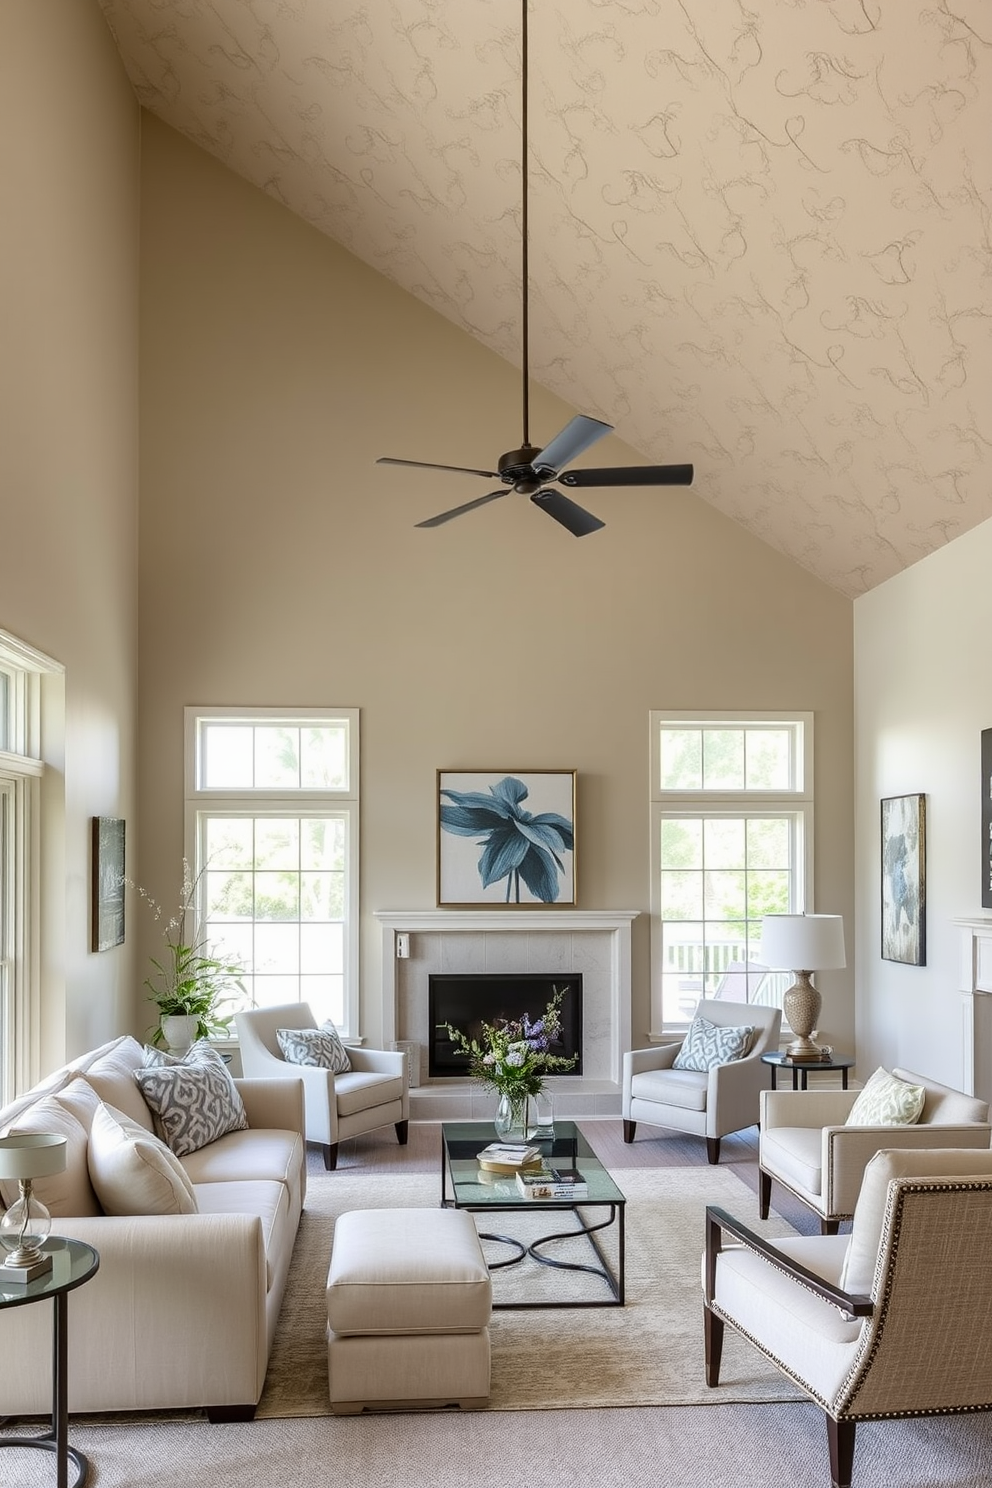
26,1223
813,942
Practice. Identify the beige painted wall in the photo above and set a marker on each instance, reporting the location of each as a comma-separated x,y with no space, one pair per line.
924,694
69,148
279,565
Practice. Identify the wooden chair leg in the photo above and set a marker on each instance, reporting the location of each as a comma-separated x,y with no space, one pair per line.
629,1127
840,1438
713,1339
764,1193
713,1150
402,1132
331,1157
829,1226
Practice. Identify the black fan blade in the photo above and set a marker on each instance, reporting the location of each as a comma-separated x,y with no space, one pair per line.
456,511
573,439
631,475
425,465
578,521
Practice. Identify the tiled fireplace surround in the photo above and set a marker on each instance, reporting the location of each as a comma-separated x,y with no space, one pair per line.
593,942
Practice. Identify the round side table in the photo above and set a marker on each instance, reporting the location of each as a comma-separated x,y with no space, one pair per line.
73,1263
801,1068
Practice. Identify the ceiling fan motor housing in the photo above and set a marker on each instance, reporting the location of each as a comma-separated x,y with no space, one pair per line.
517,469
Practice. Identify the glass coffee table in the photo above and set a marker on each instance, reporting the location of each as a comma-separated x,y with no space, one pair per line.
464,1186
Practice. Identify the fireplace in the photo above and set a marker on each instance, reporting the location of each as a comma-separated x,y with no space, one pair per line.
467,1001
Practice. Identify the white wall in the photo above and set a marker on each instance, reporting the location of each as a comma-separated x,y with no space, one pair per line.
69,145
923,694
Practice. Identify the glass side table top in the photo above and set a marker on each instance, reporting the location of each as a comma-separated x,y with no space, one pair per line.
462,1141
73,1262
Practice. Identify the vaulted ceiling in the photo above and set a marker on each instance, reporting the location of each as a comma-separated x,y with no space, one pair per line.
760,233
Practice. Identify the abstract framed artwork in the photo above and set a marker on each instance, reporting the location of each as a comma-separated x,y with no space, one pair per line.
904,884
108,883
506,838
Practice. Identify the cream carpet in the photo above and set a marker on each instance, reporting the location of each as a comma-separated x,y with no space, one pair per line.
649,1352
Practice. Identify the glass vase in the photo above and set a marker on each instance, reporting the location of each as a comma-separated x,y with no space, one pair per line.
516,1117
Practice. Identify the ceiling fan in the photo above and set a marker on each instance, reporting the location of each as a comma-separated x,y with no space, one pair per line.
530,470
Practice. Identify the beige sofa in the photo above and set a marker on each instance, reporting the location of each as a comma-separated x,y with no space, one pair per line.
183,1309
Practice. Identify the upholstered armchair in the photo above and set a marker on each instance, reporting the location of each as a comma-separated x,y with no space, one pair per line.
374,1092
891,1320
711,1103
805,1145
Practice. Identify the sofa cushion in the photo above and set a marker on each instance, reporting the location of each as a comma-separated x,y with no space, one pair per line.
352,1091
708,1044
193,1104
794,1154
132,1171
66,1194
111,1073
315,1046
887,1101
685,1089
869,1212
240,1155
270,1201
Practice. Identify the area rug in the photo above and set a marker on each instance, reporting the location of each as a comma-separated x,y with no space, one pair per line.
649,1352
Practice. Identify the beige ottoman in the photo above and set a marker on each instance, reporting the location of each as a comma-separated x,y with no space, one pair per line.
408,1304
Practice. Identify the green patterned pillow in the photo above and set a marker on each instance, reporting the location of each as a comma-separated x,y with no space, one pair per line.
886,1101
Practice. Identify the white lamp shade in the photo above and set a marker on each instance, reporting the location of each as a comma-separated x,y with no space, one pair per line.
813,942
32,1155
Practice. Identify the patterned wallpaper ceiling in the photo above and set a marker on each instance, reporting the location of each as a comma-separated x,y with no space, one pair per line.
761,233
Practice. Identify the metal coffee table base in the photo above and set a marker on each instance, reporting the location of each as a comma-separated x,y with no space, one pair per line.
603,1270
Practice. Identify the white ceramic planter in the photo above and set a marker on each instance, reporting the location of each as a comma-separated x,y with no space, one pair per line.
179,1033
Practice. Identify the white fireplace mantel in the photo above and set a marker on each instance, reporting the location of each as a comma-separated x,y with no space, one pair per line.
976,998
612,923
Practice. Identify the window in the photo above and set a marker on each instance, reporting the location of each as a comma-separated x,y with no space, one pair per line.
21,695
731,841
272,824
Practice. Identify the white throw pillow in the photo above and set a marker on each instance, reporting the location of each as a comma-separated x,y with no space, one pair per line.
708,1044
321,1047
132,1171
193,1104
887,1101
69,1193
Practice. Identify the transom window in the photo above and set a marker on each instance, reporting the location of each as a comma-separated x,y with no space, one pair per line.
731,827
273,814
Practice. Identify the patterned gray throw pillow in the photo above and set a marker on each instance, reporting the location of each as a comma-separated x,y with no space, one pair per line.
193,1104
707,1044
202,1052
315,1046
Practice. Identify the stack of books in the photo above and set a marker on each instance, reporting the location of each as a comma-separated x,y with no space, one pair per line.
552,1183
509,1157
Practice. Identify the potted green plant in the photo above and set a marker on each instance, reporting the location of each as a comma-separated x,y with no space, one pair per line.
189,985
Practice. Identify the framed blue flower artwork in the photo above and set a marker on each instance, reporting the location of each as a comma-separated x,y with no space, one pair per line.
904,882
506,838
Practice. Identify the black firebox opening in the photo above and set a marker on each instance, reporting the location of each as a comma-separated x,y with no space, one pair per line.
468,1001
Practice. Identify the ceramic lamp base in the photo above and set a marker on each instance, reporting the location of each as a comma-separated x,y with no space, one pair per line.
801,1005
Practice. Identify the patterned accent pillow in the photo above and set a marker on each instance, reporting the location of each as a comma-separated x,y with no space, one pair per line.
134,1172
193,1104
315,1046
887,1101
708,1044
202,1052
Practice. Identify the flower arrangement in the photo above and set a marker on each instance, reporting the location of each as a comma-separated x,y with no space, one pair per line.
512,1055
187,982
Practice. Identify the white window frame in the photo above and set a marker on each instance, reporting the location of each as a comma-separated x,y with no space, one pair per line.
795,803
21,772
256,803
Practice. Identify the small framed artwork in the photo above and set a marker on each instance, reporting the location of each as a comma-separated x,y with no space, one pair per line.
904,883
506,838
987,818
108,882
